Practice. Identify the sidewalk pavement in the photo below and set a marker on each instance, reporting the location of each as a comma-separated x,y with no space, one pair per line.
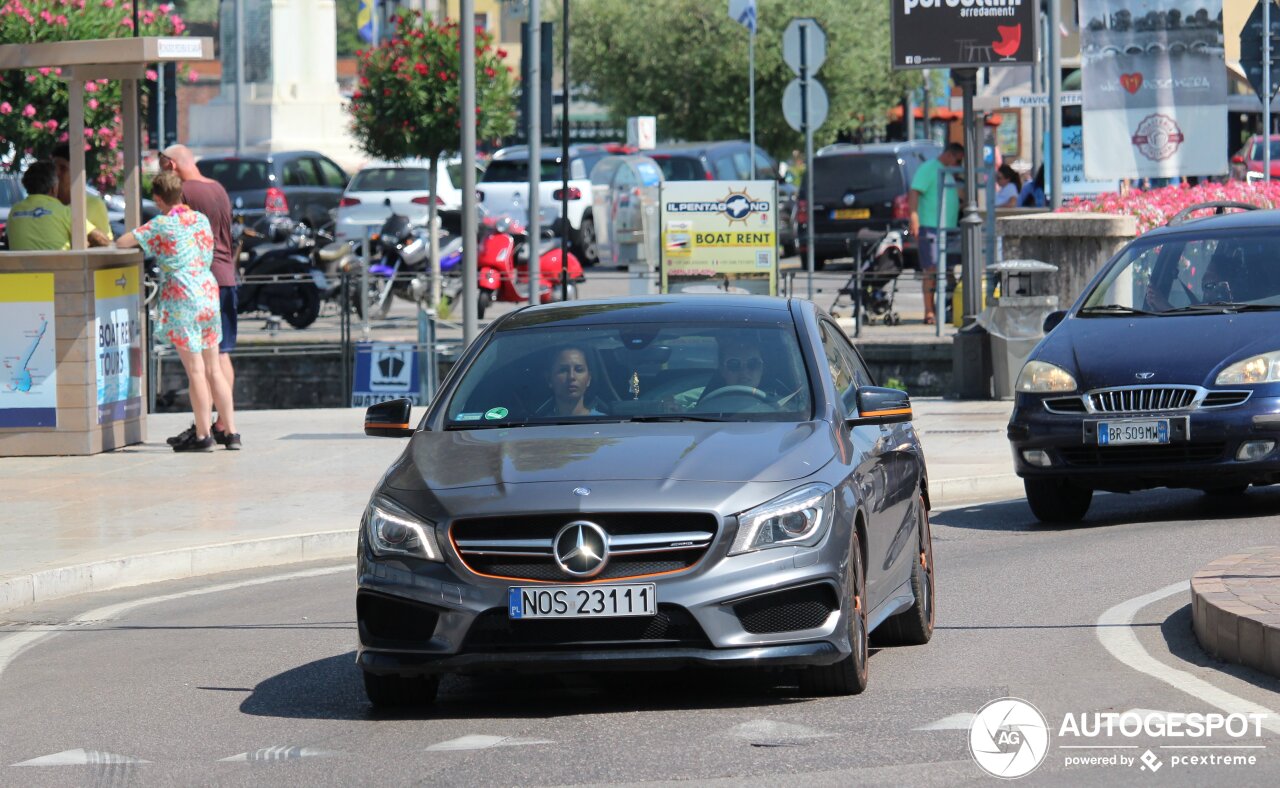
296,492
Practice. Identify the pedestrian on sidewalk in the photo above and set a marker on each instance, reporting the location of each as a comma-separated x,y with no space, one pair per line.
209,198
923,201
187,305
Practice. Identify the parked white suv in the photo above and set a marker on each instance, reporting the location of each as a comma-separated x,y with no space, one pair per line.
504,188
404,186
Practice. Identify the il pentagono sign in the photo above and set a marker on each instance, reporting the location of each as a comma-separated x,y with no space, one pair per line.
963,33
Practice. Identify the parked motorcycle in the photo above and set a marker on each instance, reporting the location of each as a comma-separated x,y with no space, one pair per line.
503,263
275,271
403,261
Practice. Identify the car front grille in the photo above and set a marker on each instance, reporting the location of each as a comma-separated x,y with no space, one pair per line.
387,622
787,611
1120,456
1143,399
671,627
640,544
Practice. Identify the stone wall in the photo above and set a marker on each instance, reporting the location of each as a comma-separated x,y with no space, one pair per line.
1078,243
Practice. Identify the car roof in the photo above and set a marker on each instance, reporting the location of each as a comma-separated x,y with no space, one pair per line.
280,155
894,148
521,152
651,309
693,147
1239,220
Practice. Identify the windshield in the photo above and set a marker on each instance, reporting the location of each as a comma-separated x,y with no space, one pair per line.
1257,154
1187,272
644,372
680,168
517,170
391,179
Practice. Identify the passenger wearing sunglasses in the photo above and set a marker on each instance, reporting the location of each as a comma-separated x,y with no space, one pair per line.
738,372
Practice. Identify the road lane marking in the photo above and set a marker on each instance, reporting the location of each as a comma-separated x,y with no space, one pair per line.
1115,630
478,741
80,757
768,733
13,645
955,722
285,753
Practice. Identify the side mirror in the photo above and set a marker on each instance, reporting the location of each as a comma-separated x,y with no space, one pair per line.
881,406
1052,320
389,419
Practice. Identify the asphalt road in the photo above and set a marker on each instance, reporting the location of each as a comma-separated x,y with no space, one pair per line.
215,681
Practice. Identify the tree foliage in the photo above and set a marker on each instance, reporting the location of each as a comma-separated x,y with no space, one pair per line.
33,102
408,98
685,62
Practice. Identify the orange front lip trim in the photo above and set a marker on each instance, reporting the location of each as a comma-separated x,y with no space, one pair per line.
897,412
384,426
463,561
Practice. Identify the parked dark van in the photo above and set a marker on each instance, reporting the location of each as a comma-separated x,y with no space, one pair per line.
859,187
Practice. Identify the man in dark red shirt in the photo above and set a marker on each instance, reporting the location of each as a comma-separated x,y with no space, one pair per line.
209,198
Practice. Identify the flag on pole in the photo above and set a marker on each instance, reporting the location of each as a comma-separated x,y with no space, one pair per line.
744,13
364,20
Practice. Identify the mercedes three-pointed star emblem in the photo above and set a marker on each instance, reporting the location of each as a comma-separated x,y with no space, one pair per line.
582,549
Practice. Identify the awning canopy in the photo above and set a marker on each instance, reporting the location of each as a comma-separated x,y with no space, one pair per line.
125,59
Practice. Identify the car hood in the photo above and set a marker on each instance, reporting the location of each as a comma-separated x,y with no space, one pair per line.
1188,349
685,451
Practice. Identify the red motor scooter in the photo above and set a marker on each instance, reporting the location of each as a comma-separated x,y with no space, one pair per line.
503,263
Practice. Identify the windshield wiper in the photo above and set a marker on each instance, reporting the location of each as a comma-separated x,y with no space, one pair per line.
1221,307
1113,309
671,417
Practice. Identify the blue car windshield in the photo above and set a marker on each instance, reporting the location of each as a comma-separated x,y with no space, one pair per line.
1184,272
640,372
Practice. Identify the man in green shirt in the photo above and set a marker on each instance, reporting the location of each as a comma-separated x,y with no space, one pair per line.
41,222
922,201
95,207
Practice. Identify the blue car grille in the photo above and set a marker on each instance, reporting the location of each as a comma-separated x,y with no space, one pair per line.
1144,399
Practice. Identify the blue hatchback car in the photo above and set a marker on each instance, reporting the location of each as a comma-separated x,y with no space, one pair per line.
1164,373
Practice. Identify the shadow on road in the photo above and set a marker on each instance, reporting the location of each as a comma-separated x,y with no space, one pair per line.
1182,643
1109,509
331,689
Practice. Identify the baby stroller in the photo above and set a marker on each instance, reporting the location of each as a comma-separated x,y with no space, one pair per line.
877,264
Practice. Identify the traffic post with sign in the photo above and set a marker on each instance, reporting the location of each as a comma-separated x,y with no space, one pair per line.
1258,59
804,49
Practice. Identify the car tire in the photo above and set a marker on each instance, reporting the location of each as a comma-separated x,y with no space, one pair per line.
914,626
398,692
849,675
1057,500
585,240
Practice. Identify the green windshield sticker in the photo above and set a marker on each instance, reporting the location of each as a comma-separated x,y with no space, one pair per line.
468,417
494,414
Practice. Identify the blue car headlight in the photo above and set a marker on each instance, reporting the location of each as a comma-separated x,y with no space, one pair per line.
1263,368
1041,377
800,517
393,530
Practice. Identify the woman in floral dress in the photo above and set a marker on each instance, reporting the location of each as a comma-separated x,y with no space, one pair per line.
188,313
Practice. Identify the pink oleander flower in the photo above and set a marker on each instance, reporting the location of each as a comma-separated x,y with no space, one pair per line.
193,75
91,87
44,71
178,25
148,17
28,111
126,22
151,75
108,3
51,125
93,103
5,108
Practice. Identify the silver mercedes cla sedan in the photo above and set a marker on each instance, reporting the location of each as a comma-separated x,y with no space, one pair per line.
647,483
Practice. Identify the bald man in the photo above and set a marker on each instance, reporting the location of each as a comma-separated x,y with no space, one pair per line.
209,198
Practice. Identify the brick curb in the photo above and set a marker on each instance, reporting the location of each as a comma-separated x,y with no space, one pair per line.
1235,608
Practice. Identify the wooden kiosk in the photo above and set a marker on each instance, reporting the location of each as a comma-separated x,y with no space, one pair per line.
72,323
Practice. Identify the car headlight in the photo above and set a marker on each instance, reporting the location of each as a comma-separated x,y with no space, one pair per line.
1041,377
393,530
799,517
1264,368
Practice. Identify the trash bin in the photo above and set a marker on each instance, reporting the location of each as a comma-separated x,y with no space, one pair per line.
1015,321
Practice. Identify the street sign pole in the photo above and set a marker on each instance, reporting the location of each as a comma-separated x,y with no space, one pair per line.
1055,103
808,148
1266,90
533,125
970,222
